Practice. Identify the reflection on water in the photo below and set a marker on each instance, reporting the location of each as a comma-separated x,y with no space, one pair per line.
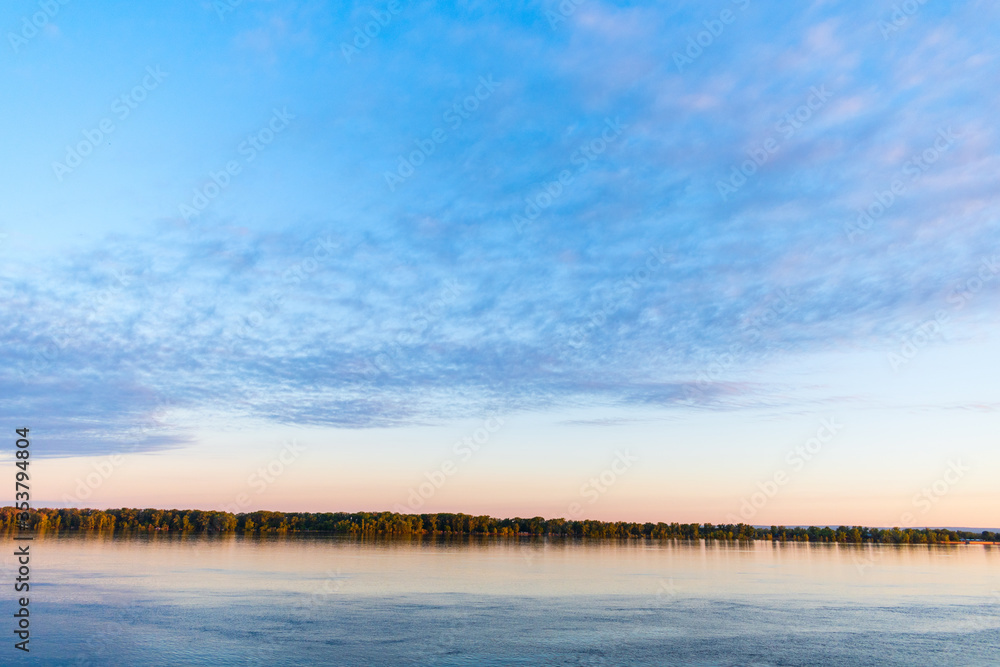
173,599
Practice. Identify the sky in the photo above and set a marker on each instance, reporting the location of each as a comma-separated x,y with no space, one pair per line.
713,262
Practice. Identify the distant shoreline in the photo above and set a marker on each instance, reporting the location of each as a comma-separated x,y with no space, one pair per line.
392,524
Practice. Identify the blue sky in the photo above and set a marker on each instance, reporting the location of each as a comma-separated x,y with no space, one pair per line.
610,222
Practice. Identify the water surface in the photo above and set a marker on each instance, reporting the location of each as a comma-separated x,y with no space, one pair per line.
298,600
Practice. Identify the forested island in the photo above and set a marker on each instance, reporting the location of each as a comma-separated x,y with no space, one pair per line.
393,524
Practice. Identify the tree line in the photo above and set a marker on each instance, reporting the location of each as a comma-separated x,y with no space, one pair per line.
394,524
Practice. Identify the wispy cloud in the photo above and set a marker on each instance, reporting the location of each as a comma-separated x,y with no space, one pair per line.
428,303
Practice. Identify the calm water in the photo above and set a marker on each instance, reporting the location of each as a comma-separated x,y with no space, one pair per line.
171,600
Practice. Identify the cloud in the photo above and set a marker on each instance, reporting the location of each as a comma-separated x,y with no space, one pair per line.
637,284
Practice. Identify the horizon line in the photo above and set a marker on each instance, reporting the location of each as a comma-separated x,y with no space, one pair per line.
4,508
